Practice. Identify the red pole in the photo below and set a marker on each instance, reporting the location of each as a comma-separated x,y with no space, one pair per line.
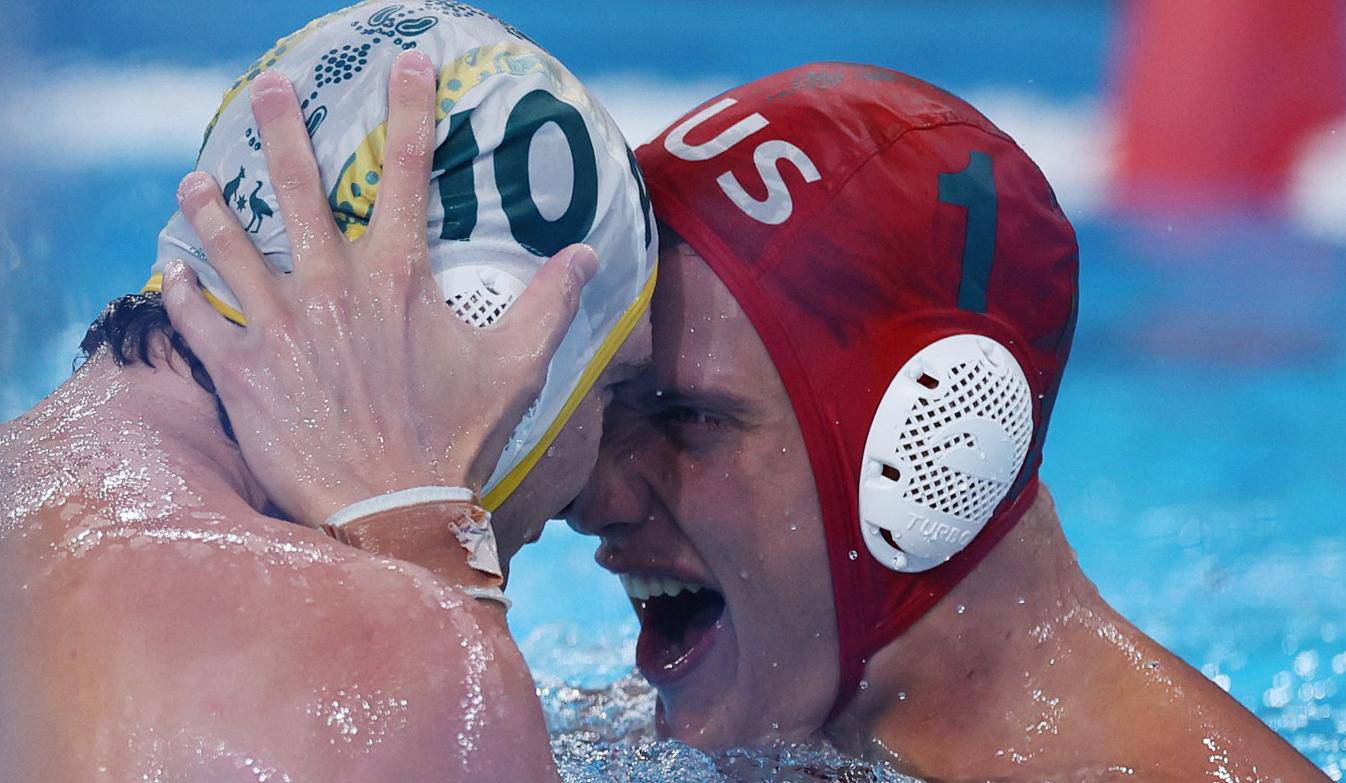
1217,96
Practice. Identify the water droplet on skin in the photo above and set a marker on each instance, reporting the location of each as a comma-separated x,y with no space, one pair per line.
961,608
1022,601
864,685
901,695
853,554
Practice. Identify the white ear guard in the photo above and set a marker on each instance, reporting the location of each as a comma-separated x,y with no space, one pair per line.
948,439
479,293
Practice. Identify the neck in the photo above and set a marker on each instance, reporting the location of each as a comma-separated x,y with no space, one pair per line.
166,400
980,685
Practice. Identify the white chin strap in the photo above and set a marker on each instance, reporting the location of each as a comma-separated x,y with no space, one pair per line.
948,439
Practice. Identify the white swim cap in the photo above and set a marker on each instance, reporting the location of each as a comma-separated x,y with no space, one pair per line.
526,163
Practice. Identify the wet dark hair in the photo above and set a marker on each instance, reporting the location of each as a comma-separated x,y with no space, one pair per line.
127,328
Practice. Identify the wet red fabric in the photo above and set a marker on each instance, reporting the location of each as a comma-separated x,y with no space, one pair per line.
814,194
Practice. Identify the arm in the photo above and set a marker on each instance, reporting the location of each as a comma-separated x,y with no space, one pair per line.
226,641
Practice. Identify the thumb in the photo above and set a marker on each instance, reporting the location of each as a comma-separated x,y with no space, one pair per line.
540,317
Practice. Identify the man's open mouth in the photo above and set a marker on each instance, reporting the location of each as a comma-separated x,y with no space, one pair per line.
678,623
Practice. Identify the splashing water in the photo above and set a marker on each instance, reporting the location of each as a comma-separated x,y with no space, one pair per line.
605,732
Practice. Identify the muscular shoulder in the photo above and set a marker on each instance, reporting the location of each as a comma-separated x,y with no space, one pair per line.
199,629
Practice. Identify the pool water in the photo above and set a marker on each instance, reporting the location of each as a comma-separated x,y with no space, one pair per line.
1196,449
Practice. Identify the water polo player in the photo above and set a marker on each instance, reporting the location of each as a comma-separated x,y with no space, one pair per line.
162,623
823,498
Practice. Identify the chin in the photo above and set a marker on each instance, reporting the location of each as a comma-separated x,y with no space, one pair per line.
723,726
705,733
711,696
707,706
688,651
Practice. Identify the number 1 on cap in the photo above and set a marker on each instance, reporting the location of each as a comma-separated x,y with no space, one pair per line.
974,188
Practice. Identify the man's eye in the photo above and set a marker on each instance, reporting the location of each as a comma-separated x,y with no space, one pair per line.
682,415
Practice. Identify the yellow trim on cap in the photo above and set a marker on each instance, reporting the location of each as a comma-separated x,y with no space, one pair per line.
501,491
623,328
156,285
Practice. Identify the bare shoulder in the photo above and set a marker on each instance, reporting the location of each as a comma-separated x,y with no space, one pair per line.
1223,740
199,639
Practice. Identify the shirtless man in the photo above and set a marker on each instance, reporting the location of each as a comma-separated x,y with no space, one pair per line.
160,622
822,497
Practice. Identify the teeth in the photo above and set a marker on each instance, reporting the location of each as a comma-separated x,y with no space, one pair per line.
643,588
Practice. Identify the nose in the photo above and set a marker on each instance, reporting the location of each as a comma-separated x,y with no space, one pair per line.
615,501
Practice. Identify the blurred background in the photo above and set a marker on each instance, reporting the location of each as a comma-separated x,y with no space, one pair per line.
1199,148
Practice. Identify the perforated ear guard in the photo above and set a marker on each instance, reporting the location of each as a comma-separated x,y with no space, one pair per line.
946,442
479,294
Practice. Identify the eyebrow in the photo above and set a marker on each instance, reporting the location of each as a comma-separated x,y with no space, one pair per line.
708,399
641,363
631,368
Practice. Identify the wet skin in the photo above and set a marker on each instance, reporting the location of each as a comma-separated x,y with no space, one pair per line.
159,625
172,628
1022,673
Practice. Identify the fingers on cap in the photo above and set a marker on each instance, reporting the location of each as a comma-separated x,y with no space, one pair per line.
192,316
227,245
411,130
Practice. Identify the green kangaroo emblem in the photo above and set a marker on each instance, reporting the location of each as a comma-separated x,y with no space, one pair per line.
260,210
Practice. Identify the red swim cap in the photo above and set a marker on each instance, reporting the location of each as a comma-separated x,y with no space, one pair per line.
859,215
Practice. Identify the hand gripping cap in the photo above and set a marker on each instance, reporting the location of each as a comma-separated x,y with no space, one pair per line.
874,228
526,162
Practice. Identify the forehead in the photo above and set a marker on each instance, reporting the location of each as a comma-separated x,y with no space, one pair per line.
702,338
635,350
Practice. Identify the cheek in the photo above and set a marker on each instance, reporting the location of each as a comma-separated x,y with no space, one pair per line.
571,457
555,480
759,527
787,578
786,530
787,620
791,638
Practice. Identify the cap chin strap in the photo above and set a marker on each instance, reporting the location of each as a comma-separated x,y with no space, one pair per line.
948,439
